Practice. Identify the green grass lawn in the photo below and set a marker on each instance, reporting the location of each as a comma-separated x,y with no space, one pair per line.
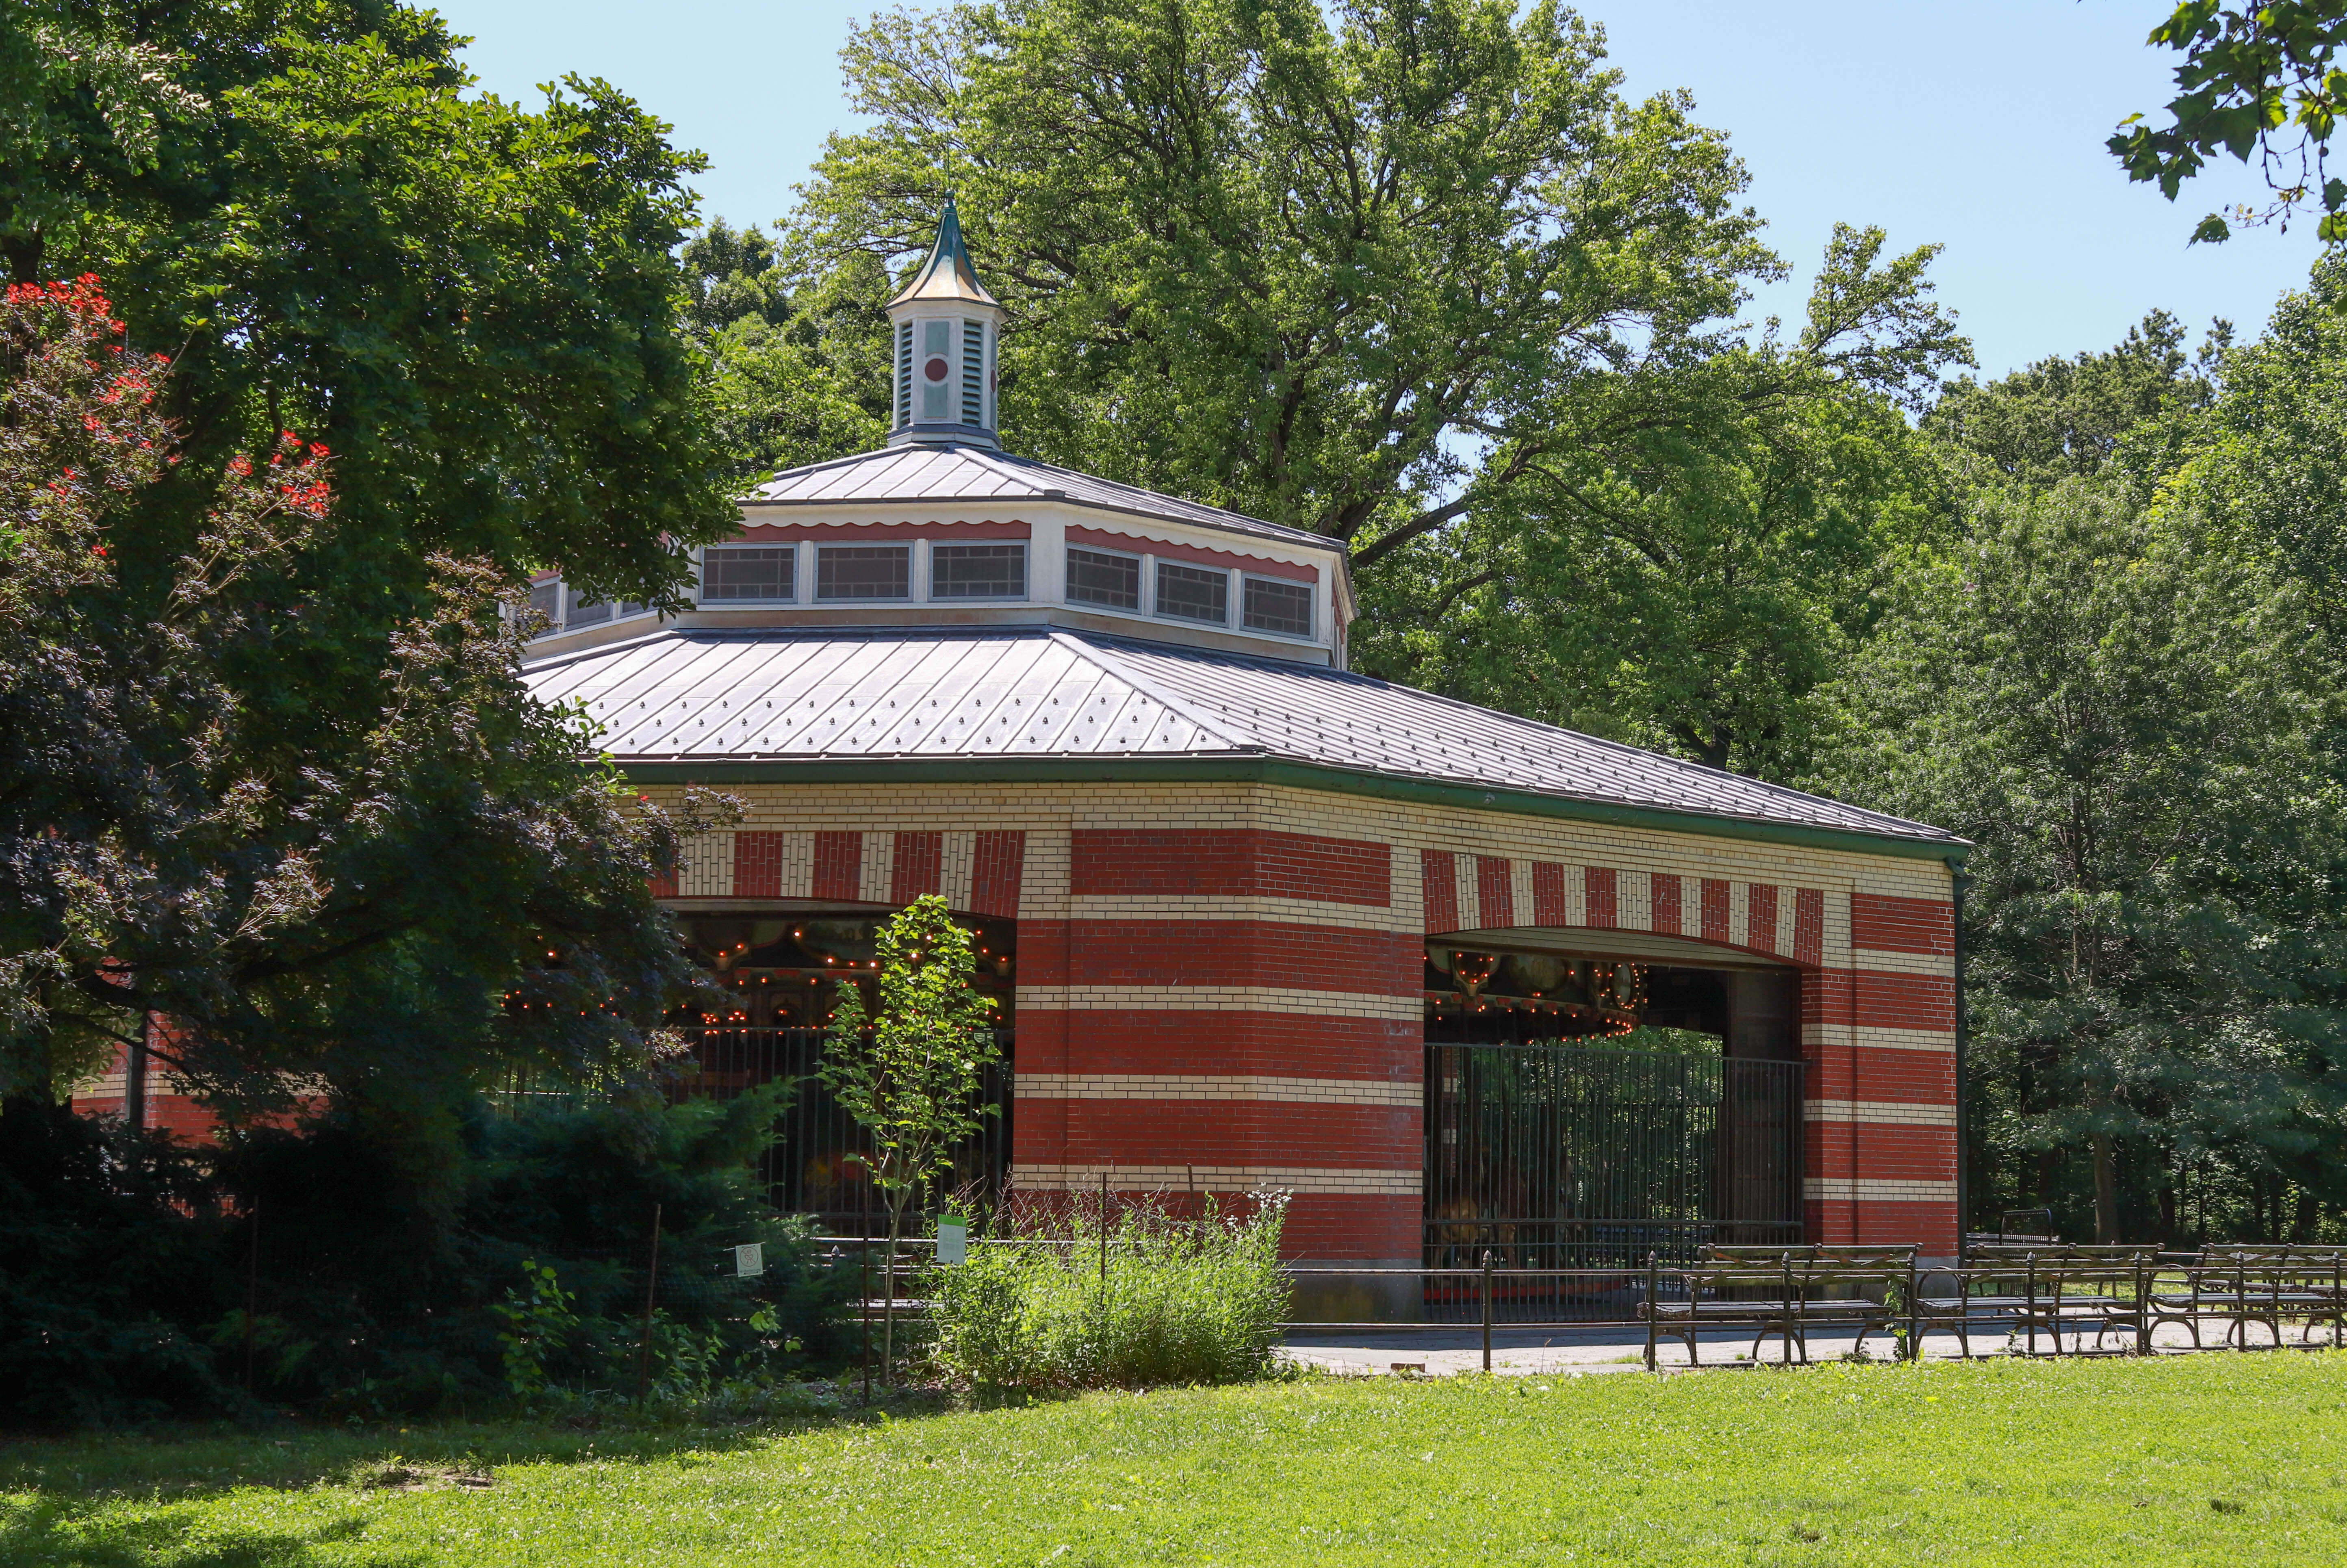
2218,1458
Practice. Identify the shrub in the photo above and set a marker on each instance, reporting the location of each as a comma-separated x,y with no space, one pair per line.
108,1261
126,1264
1180,1301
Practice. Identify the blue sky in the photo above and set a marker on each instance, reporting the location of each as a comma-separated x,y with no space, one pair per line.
1978,126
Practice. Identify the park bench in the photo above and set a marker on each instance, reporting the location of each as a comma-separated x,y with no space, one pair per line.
2237,1285
2031,1288
1785,1291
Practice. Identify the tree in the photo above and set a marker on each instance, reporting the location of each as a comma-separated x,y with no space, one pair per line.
437,881
475,305
910,1072
1410,274
792,381
1698,595
2127,722
2061,418
2268,473
2258,79
729,276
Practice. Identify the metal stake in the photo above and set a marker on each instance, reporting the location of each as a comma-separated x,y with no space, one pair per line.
252,1290
644,1346
1487,1309
864,1291
1653,1281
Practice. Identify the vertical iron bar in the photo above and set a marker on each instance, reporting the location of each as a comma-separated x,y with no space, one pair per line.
1915,1313
134,1082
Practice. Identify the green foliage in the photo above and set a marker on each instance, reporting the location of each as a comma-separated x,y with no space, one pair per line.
2261,79
1856,1464
534,1327
910,1072
2061,418
125,1267
730,277
2125,721
812,387
473,304
111,1262
2269,479
387,910
1181,1302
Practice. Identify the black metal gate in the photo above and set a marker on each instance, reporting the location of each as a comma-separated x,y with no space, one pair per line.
1559,1156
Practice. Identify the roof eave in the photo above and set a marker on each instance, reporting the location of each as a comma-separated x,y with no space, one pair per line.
1257,769
1302,540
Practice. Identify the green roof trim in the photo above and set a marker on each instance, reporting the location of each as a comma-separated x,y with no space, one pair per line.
1298,775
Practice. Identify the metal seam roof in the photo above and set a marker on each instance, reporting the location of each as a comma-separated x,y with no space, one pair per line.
727,697
958,473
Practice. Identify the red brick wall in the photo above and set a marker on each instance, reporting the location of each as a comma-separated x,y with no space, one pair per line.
1228,1005
1235,863
1902,925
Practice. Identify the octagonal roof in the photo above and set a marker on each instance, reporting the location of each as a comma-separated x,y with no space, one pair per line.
713,697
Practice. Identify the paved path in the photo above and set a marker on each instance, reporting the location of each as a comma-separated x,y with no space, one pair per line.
1573,1352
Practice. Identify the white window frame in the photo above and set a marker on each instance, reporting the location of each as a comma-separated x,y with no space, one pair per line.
1311,606
929,583
913,565
701,569
1227,623
1148,574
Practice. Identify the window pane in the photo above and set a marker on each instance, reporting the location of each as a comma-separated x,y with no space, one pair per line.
978,571
1193,593
581,610
863,572
545,598
1275,606
1096,577
748,574
632,607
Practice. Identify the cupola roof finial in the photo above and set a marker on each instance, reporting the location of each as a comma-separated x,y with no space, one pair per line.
948,274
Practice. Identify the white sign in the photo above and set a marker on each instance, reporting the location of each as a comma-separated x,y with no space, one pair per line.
953,1240
750,1261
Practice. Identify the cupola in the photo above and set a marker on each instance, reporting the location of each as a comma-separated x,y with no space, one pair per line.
946,326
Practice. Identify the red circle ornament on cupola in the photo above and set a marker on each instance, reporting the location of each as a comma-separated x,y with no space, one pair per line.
937,369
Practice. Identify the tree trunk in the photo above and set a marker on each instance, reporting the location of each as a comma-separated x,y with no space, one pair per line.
889,1295
2106,1188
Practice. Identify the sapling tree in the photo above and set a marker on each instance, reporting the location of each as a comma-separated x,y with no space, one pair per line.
909,1070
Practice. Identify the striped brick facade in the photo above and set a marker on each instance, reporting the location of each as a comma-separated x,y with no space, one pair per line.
1219,985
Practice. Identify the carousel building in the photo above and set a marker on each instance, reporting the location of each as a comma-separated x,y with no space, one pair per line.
1258,922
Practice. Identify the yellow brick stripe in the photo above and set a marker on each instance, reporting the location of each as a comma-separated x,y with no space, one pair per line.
1216,1178
1219,999
1889,1111
1199,1086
